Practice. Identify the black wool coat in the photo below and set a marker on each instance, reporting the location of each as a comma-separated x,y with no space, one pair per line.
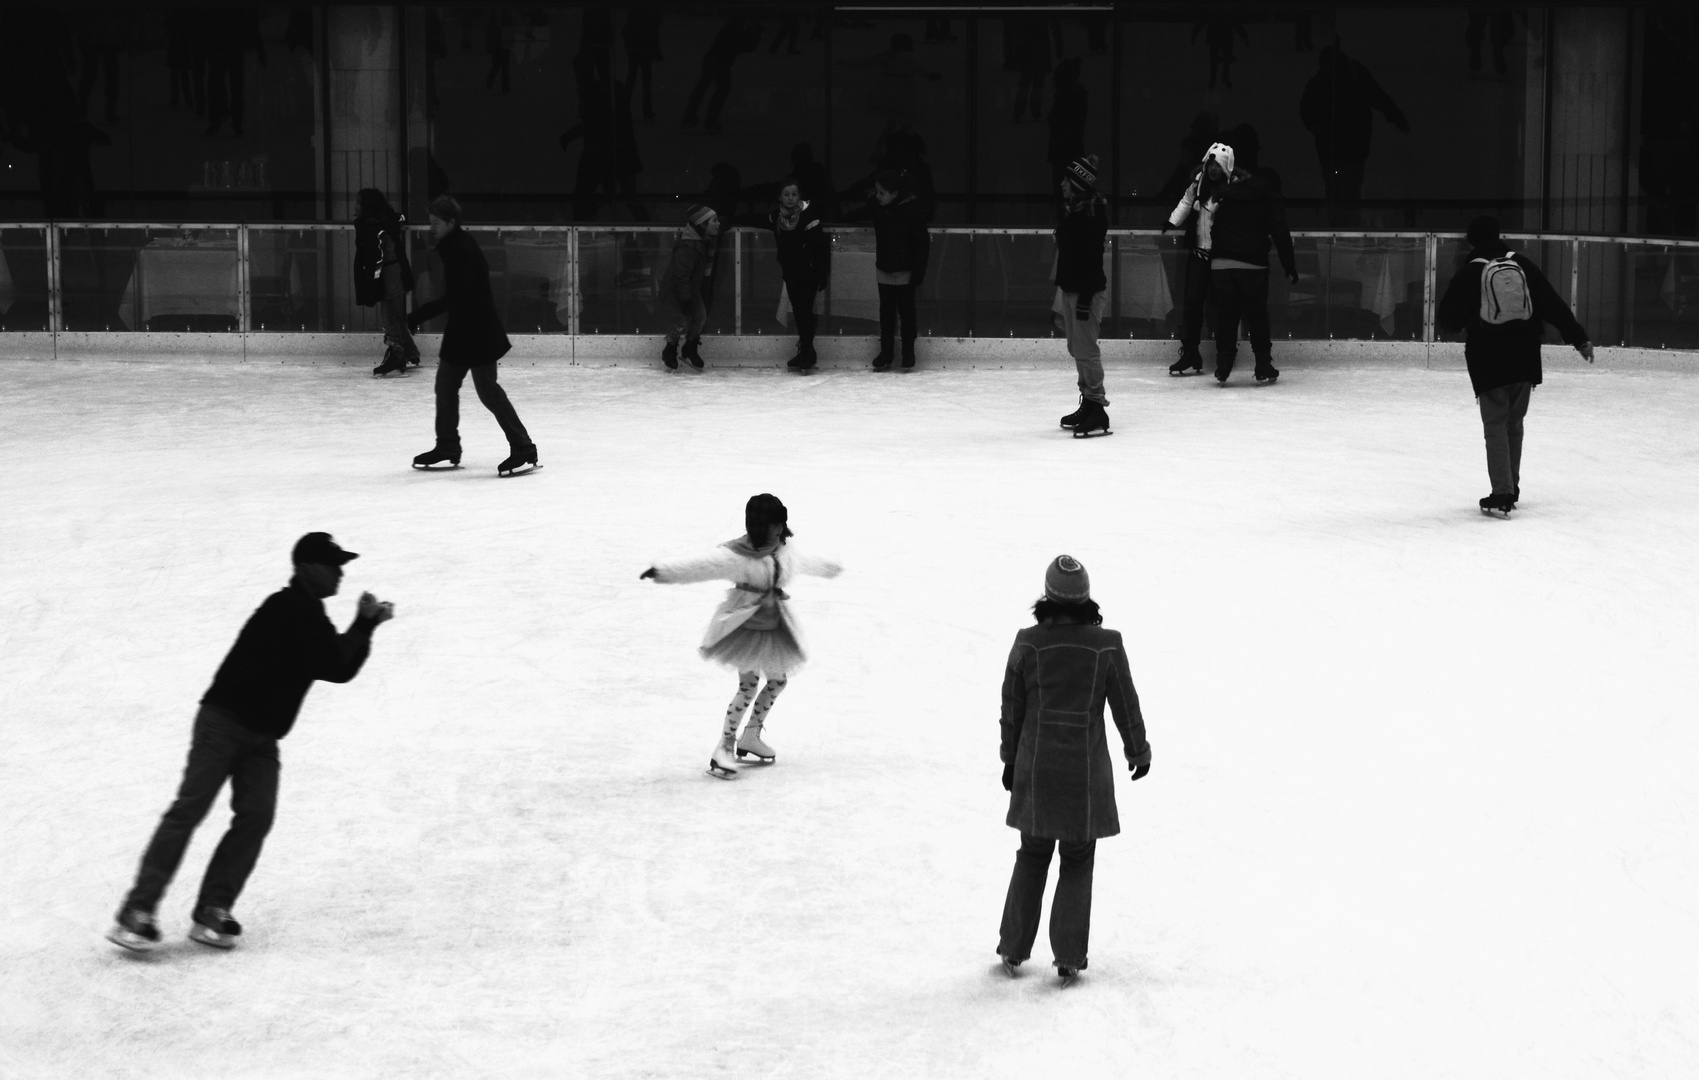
805,252
1079,250
1248,218
1509,353
900,239
474,334
370,237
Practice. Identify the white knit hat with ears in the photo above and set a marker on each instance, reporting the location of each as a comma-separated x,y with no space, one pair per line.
1221,152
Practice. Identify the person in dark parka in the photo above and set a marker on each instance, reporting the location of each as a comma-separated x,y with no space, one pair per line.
472,342
285,646
1056,764
1504,358
902,247
1249,216
383,276
805,262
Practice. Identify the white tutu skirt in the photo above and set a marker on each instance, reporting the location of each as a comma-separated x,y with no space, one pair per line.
771,652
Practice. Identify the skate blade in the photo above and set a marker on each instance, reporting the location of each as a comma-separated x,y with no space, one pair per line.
719,772
1010,969
1091,434
520,471
1505,514
1183,374
765,759
1069,980
435,468
206,936
135,943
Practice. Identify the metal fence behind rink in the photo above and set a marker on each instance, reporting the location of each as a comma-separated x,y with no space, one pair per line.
589,280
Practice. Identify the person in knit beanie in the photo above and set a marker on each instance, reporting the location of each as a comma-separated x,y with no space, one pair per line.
1083,289
686,285
1056,769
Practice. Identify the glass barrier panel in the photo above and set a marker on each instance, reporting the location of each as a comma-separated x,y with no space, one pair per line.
621,276
23,279
1604,285
184,279
1357,288
1147,276
1014,285
852,296
766,304
302,280
944,302
1663,300
531,277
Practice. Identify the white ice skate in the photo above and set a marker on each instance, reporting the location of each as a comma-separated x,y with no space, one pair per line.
749,744
722,765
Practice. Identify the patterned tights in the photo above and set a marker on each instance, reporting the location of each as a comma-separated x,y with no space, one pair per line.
747,681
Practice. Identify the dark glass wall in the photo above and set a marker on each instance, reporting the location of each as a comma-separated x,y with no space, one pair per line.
1383,117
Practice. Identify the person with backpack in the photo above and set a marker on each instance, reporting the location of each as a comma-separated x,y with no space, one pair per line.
1501,300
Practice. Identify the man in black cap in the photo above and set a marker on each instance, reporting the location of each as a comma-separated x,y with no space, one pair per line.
252,704
1501,300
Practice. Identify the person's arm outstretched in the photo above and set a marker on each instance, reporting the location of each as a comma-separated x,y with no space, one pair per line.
1124,707
720,565
1549,307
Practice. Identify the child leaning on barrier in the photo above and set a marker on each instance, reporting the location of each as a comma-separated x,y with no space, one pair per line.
685,285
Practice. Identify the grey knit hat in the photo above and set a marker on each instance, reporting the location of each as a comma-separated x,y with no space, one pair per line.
1066,581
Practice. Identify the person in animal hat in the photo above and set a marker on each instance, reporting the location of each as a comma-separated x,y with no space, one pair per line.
753,631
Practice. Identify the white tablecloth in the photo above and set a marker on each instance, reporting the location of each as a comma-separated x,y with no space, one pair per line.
1386,274
181,279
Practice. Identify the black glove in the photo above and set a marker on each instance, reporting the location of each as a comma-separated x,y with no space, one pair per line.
1292,276
1201,253
1082,311
1168,226
1009,776
649,573
1140,770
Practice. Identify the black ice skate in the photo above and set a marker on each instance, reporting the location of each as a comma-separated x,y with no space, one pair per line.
1068,974
1009,965
523,459
392,361
1190,363
214,926
1267,372
1501,505
1222,374
441,457
134,930
669,356
882,362
1070,419
1093,421
908,356
692,353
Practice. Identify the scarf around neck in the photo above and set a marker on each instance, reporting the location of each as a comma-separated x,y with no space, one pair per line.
787,219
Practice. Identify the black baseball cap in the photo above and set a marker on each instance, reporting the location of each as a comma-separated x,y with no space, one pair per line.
318,547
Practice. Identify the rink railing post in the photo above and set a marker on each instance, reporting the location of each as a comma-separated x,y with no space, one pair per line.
55,322
573,297
244,298
1574,271
1430,274
737,282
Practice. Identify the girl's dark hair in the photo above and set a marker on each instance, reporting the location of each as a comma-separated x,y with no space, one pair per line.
1085,611
789,181
371,201
891,180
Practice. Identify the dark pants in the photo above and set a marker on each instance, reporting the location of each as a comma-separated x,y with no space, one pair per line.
396,337
449,377
802,292
1196,284
895,300
1070,909
1502,410
221,749
1240,294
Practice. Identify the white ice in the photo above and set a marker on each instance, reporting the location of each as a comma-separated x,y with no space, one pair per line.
1423,804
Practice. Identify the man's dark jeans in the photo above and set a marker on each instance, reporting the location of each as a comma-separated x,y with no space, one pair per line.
1070,909
449,377
1240,295
221,749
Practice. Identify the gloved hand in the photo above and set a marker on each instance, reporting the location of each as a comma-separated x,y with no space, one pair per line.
1201,253
1292,276
1082,311
1140,770
1008,776
649,573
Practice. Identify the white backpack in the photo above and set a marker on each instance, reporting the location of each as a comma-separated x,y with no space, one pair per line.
1504,291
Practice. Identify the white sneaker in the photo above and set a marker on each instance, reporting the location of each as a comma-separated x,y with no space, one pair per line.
722,764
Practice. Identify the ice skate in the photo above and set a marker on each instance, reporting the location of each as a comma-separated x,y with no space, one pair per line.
1070,419
134,930
908,356
392,361
214,926
882,362
441,457
1267,372
1068,974
1222,374
523,459
750,744
669,356
1093,421
1009,965
692,353
1190,363
1501,505
804,362
722,765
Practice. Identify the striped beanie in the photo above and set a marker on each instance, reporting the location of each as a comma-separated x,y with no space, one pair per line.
1066,581
698,216
1083,171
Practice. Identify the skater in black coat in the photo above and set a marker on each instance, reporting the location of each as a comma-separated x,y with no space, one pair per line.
383,276
1249,217
285,646
472,343
902,247
805,261
1503,347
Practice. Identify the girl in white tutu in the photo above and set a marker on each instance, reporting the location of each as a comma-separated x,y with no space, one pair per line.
753,631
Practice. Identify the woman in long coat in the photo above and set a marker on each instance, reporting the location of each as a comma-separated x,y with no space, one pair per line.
1056,764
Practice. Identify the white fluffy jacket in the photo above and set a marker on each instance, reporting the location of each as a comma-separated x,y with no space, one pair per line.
757,579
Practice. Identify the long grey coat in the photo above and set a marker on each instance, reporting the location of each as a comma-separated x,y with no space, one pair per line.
1058,678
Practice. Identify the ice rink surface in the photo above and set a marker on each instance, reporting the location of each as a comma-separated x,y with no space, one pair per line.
1424,799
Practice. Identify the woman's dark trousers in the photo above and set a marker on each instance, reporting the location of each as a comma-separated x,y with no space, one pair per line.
1070,909
895,301
449,377
1192,304
221,749
802,292
1240,294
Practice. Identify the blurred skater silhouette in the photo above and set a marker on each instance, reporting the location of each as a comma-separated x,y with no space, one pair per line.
1219,28
1338,109
642,48
228,34
736,37
1030,45
1500,23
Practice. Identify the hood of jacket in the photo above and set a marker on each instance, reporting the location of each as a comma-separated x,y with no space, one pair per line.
1222,153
